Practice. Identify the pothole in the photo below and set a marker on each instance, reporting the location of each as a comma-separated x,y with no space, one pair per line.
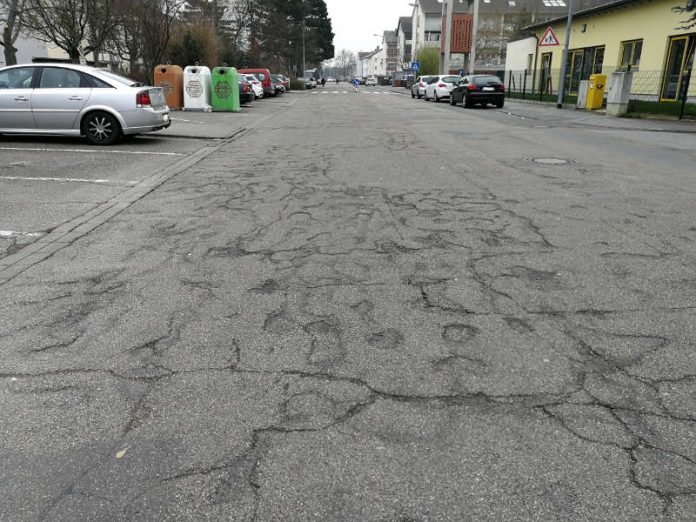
550,161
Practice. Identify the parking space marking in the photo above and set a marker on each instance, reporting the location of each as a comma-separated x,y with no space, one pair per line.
70,180
91,151
12,233
187,121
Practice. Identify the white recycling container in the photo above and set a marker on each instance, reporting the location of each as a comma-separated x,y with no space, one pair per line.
197,81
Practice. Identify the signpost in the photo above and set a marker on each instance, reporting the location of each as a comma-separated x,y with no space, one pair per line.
564,58
549,39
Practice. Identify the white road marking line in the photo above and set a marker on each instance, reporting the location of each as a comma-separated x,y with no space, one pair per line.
89,151
71,180
12,233
187,121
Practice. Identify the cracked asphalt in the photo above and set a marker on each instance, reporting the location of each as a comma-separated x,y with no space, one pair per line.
369,308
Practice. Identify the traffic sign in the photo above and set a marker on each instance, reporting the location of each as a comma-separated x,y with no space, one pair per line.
549,39
414,66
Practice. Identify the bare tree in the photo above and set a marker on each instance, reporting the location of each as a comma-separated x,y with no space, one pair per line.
346,62
159,18
237,21
11,16
79,27
142,32
690,9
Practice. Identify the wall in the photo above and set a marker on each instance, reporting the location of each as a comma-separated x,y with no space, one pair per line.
518,53
27,49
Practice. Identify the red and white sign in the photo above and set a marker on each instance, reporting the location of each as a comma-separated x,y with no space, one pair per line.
549,39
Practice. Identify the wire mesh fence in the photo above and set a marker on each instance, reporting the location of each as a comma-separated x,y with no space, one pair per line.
651,91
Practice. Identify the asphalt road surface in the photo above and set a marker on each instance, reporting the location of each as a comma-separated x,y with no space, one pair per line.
359,307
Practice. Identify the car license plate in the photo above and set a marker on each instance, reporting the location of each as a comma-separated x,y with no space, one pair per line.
489,88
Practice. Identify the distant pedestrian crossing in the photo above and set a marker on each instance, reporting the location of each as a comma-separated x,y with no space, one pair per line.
361,91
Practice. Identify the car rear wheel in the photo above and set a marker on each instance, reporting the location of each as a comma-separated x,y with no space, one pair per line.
452,102
437,98
101,128
412,95
467,103
500,104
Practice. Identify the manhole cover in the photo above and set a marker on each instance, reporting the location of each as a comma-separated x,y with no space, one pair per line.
550,161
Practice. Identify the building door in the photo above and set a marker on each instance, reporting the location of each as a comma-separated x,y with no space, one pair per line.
574,72
582,63
545,76
679,60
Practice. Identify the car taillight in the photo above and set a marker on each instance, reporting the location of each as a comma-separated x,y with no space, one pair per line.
501,88
472,87
245,88
441,85
142,99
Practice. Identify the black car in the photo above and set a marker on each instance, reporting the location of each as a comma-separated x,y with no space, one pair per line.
479,88
246,93
278,85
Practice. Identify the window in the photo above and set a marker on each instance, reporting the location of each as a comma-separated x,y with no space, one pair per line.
630,53
677,66
19,78
432,37
55,78
99,84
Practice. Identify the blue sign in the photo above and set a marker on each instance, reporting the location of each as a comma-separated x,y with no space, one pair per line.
415,66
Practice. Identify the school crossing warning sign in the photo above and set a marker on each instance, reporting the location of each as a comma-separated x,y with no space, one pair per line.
549,39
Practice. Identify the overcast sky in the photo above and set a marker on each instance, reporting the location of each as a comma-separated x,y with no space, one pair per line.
355,21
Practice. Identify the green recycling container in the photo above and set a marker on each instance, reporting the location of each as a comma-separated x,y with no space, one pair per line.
225,90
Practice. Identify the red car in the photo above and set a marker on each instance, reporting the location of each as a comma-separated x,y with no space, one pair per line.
283,80
264,76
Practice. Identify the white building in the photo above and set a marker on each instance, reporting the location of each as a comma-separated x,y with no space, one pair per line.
404,39
30,50
372,63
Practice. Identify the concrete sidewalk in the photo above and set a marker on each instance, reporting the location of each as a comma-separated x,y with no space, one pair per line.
548,113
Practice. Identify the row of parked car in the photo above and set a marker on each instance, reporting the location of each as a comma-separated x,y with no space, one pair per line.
475,89
260,83
78,100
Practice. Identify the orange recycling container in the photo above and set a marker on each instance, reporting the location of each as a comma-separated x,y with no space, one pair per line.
171,79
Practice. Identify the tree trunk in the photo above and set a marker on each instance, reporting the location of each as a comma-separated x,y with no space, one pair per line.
9,49
74,55
10,55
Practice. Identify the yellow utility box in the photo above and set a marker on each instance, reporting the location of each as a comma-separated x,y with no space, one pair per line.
595,91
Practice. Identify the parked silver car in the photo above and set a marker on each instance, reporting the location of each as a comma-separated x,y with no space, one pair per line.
76,100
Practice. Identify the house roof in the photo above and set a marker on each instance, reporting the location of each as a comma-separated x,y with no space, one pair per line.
584,11
406,26
390,36
435,7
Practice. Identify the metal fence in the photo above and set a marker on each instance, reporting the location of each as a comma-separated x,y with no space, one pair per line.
651,91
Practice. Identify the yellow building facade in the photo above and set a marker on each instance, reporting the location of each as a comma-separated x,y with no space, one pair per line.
646,36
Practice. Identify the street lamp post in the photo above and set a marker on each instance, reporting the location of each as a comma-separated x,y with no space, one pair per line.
564,58
446,44
304,50
474,37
